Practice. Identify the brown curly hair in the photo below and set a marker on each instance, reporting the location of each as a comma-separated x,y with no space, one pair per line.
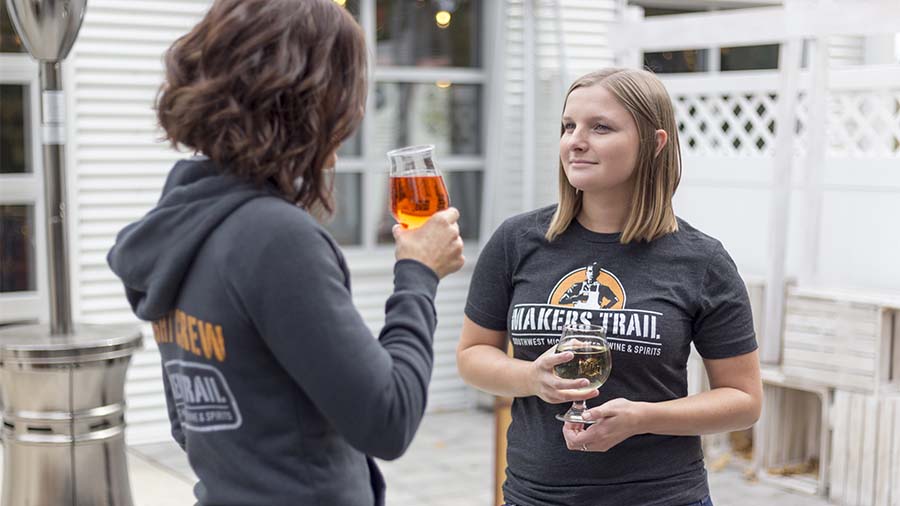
268,89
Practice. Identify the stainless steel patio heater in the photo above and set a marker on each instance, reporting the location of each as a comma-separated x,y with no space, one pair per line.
61,385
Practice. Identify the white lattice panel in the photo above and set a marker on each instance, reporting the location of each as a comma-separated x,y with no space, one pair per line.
865,123
731,123
736,116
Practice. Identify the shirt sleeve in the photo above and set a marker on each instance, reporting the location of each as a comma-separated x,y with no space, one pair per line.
372,390
490,289
723,326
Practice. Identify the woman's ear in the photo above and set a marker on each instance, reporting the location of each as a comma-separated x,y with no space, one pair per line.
331,161
661,138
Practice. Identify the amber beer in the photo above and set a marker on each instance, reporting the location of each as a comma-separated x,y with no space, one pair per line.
415,198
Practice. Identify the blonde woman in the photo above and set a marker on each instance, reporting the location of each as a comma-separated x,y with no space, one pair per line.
660,285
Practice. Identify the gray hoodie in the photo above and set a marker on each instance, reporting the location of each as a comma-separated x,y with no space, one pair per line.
276,388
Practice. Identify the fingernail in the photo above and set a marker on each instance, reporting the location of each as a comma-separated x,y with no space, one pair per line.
586,415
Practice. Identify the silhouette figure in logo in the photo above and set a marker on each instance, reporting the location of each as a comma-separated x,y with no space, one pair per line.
590,293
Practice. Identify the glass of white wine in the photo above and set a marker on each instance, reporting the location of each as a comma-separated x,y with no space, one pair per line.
593,361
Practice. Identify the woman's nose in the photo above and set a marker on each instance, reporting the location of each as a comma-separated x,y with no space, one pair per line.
576,141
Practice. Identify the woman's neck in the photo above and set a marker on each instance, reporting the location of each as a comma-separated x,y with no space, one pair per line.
604,213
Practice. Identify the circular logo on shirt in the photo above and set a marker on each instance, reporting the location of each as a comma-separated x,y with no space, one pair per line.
589,287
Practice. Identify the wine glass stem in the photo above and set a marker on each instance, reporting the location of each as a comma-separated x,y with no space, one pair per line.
579,406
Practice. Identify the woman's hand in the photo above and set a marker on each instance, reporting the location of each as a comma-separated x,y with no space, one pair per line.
436,244
550,387
617,420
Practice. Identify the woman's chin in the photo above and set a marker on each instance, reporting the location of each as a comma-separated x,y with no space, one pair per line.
584,184
594,184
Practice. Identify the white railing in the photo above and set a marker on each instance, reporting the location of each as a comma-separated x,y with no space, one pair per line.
796,19
734,114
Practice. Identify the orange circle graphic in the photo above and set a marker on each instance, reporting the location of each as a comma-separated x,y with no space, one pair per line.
580,276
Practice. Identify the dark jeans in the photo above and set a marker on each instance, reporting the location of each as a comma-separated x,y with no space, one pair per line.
704,502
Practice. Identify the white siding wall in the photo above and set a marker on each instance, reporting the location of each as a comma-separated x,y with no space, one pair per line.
117,167
117,164
509,183
570,40
846,50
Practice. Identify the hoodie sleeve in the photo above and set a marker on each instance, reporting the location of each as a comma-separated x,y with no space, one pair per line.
372,390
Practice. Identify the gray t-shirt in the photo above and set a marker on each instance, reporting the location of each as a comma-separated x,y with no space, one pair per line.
654,300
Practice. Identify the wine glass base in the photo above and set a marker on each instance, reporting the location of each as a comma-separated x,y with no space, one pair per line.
574,418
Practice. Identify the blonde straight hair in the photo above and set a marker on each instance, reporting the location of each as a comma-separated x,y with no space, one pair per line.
656,177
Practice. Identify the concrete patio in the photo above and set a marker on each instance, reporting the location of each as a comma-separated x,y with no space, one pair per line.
450,463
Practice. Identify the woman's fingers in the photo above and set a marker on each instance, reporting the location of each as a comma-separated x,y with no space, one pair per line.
578,395
554,359
567,384
560,395
570,432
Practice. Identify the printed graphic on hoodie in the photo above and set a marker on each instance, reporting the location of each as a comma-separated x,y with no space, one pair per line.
588,295
202,396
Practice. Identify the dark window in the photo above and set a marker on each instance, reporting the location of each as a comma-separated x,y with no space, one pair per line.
444,114
14,145
749,57
346,224
673,62
351,5
17,248
428,33
9,39
352,147
650,12
464,187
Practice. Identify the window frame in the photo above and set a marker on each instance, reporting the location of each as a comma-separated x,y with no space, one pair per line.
373,166
26,189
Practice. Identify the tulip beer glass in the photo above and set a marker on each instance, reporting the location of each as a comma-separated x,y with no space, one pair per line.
417,188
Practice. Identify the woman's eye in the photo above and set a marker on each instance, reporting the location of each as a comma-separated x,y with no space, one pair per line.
600,127
568,126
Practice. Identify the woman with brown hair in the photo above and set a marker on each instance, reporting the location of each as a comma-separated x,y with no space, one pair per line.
276,388
654,283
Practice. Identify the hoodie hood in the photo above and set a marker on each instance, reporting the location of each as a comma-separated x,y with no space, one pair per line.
153,255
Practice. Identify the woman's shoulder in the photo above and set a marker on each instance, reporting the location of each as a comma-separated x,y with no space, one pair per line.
272,211
274,220
530,222
693,239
